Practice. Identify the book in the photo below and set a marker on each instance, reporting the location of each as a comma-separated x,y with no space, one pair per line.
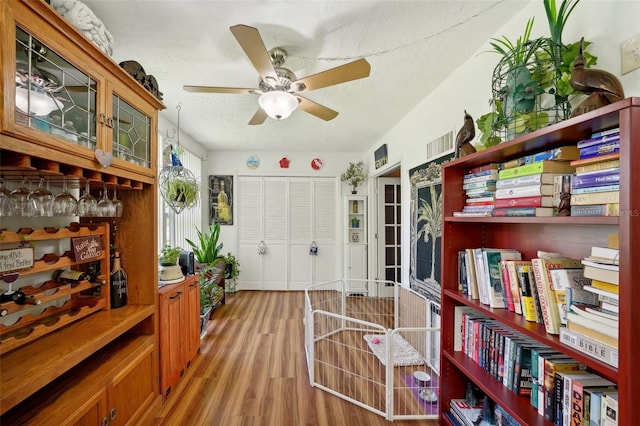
603,285
536,179
602,165
598,140
587,397
551,367
599,319
542,267
610,209
599,179
481,176
471,273
483,168
485,184
594,160
578,385
574,280
595,198
590,189
523,212
542,358
462,273
603,149
522,379
606,313
468,414
458,321
564,413
605,132
526,281
536,377
593,330
597,396
609,410
514,283
525,191
547,166
609,305
592,347
602,294
601,271
493,276
569,152
606,254
533,201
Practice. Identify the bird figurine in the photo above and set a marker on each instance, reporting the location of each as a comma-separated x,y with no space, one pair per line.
603,87
464,137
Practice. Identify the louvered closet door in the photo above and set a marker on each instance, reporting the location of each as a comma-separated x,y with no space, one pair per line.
262,221
287,214
312,219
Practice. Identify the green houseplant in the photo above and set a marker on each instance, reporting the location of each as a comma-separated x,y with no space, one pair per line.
231,272
530,85
208,249
354,175
169,255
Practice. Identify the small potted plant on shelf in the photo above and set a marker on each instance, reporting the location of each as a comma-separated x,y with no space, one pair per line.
169,270
354,175
169,255
208,255
210,295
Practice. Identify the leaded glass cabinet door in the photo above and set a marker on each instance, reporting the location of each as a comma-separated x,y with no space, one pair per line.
131,133
53,95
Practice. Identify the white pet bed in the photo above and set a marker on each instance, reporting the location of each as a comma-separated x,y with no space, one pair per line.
403,353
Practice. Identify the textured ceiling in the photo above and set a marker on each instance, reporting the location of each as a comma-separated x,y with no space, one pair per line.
411,46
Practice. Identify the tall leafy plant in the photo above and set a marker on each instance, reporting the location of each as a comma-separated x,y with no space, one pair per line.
208,249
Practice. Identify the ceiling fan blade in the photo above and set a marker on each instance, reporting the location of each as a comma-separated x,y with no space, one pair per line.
253,46
347,72
258,117
210,89
316,109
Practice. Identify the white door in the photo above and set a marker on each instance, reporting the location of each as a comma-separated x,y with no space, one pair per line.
284,216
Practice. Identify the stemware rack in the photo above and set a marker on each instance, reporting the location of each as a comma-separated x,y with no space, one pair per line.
28,323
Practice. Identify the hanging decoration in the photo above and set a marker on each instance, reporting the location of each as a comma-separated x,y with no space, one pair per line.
178,186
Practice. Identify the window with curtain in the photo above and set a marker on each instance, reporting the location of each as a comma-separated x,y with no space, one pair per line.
174,228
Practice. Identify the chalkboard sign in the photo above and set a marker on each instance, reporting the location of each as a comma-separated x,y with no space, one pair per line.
87,248
18,259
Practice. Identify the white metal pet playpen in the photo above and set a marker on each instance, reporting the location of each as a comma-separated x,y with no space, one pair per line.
380,353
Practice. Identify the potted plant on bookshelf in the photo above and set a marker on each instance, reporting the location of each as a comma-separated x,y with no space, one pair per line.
169,270
354,175
530,84
208,255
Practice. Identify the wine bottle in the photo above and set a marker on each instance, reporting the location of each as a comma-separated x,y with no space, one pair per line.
118,283
19,298
69,275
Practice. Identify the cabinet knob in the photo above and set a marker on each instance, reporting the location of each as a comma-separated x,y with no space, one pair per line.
178,294
105,421
262,248
112,414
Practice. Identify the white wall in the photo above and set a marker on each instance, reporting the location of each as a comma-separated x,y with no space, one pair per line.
606,23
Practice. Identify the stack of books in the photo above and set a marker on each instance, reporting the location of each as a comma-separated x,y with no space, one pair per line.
595,189
480,186
593,328
528,190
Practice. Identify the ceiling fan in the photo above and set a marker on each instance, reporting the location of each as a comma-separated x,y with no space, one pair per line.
279,89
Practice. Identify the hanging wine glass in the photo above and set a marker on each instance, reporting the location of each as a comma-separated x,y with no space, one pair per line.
117,205
8,206
65,204
41,201
87,204
105,208
19,196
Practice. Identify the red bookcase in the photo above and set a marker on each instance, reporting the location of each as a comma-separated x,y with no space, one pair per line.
572,236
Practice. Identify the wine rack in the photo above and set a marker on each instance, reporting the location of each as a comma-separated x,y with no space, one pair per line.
60,303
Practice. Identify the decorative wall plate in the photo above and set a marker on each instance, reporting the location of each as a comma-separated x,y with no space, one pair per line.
284,163
253,162
316,164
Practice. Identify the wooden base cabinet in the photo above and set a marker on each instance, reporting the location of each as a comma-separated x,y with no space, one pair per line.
570,236
179,306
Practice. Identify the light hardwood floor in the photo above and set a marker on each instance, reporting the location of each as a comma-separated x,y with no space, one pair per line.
252,370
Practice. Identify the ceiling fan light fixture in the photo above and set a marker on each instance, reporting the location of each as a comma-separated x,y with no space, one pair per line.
278,104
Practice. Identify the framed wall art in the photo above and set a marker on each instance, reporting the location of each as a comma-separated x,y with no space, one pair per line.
426,225
221,199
